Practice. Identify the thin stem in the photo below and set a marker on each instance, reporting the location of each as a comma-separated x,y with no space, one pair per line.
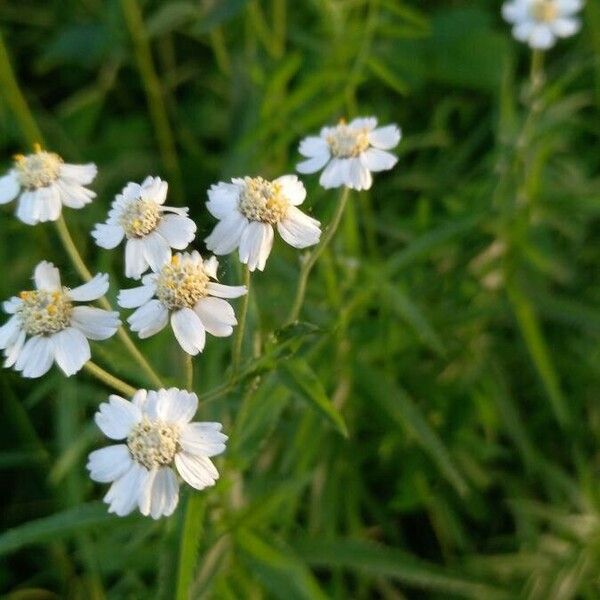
310,261
239,336
189,371
71,249
109,379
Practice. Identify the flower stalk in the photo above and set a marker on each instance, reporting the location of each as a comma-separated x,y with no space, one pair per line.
239,337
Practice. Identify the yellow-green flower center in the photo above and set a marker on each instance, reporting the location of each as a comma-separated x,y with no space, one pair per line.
39,169
140,218
347,142
153,443
545,11
263,201
43,312
181,284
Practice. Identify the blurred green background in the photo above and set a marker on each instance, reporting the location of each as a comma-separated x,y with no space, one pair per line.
454,325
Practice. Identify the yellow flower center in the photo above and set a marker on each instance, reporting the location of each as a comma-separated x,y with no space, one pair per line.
153,443
39,169
263,201
347,142
545,11
43,312
140,218
181,284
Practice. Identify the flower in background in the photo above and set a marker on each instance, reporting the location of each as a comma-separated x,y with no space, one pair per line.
182,288
57,330
249,208
44,183
349,153
541,22
152,229
158,441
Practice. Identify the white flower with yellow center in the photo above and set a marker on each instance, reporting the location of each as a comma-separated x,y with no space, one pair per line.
249,208
182,288
151,229
44,183
541,22
159,442
349,153
46,326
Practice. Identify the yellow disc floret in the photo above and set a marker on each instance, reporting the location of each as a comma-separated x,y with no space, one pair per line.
263,201
139,218
39,169
347,142
545,11
43,312
153,443
181,283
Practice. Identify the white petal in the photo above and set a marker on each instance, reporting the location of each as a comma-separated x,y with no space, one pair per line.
177,230
521,31
541,37
255,245
188,330
156,250
176,406
110,463
49,204
198,471
299,230
378,160
565,27
313,146
223,199
47,277
203,439
216,315
225,237
149,319
363,123
12,305
135,260
385,137
139,398
154,189
9,332
74,195
82,174
210,266
360,176
117,417
123,495
92,290
515,12
28,209
134,297
9,187
71,350
12,353
312,165
108,236
95,323
568,7
36,357
160,493
335,174
226,291
293,189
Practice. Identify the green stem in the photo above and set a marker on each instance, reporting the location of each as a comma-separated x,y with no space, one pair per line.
239,335
189,371
310,261
71,249
109,379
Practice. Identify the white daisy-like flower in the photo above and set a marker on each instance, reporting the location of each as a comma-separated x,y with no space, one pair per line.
541,22
249,208
182,288
159,441
152,229
46,327
350,152
43,183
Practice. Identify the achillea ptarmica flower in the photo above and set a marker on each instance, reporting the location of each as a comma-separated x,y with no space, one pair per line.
541,22
152,229
43,183
56,329
350,152
182,288
159,441
249,208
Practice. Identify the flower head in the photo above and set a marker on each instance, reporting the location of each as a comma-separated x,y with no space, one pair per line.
151,229
43,183
182,288
249,208
47,326
541,22
350,152
158,442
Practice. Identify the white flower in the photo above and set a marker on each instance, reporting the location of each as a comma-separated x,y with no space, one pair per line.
159,441
57,330
183,288
151,229
248,209
44,183
540,22
351,151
